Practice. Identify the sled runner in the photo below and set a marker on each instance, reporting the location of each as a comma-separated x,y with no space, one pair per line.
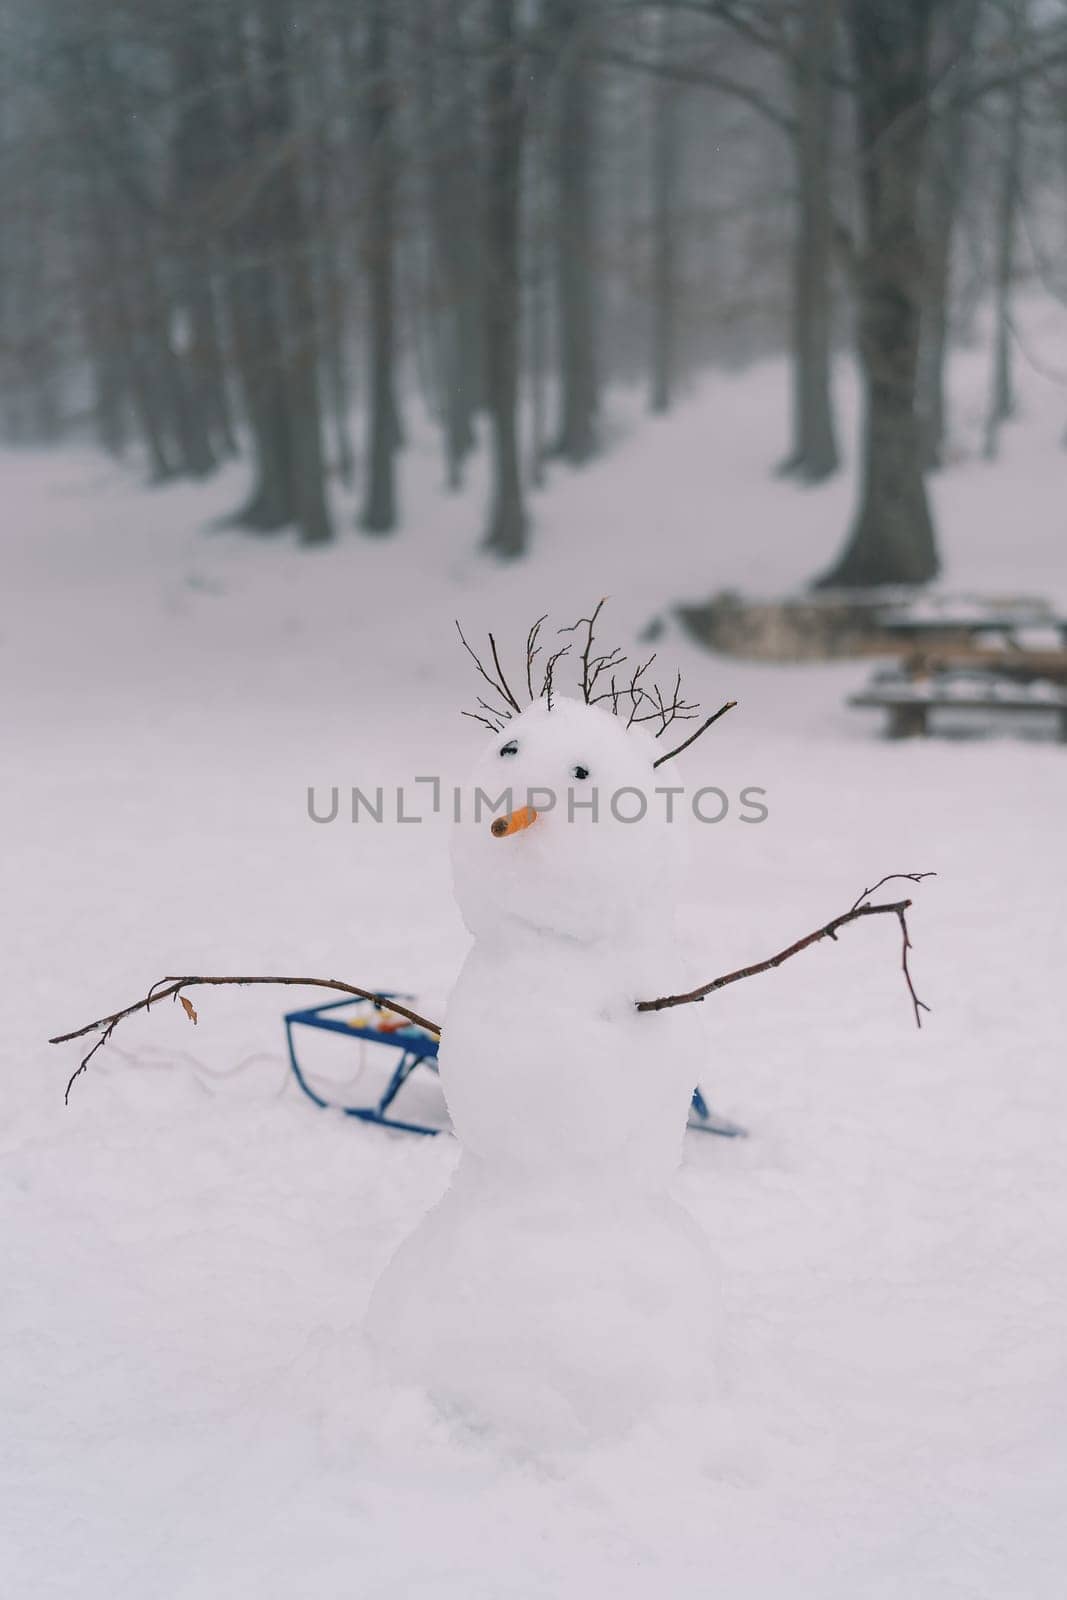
703,1120
374,1024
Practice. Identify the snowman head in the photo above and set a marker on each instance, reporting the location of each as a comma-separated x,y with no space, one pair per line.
562,831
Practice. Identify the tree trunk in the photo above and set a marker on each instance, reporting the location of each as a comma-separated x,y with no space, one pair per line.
207,360
892,537
379,507
301,377
154,281
335,317
173,368
198,153
252,293
569,20
1002,395
666,153
813,455
109,413
330,205
947,154
507,522
272,303
946,177
138,315
174,429
539,270
98,302
447,161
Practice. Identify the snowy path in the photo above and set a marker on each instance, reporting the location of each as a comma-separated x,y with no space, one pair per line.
187,1411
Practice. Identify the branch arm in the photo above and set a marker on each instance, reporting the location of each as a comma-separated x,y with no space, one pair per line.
860,908
173,988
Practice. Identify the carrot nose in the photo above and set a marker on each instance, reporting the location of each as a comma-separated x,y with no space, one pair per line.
500,827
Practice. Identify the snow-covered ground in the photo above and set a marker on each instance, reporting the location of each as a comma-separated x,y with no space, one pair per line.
188,1411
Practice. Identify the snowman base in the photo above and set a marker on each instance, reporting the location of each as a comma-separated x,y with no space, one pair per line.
562,1312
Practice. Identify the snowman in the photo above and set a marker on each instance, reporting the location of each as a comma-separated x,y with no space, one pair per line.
558,1289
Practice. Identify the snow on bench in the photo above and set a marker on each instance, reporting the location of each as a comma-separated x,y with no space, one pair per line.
909,699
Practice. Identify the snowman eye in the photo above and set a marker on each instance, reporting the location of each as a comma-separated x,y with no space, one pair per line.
511,748
579,772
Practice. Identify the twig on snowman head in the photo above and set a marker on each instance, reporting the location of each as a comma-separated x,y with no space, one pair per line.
590,669
693,737
663,711
861,907
504,689
641,701
475,716
533,650
499,684
550,673
174,989
636,690
646,704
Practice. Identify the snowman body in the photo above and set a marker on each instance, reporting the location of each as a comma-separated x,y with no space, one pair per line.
550,1071
558,1288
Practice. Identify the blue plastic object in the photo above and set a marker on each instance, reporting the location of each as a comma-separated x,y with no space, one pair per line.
414,1044
418,1048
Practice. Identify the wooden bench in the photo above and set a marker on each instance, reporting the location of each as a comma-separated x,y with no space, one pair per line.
909,702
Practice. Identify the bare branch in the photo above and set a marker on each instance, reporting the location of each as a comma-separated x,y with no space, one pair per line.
172,988
598,666
494,727
498,686
550,673
504,689
665,711
861,907
492,711
693,737
890,877
589,623
533,650
699,71
637,692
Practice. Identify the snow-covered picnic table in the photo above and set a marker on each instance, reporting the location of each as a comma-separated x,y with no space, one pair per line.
993,657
